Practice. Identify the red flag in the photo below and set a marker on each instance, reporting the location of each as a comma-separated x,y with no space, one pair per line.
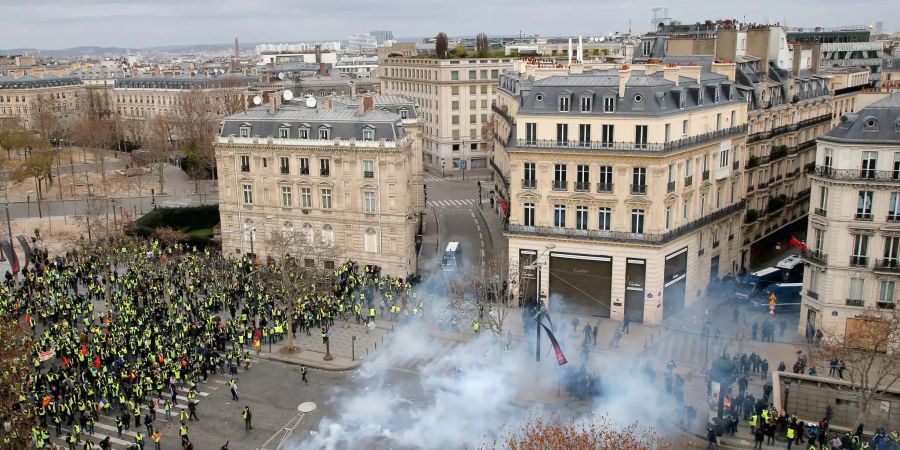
797,243
559,353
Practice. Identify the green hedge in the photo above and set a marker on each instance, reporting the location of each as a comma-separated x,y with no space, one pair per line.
195,221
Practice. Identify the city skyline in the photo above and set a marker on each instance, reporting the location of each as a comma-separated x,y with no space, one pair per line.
117,23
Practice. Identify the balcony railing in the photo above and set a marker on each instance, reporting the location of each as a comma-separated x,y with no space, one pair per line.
604,188
814,256
688,181
855,302
652,147
582,186
856,174
638,189
560,185
859,261
529,183
670,187
621,236
705,175
820,212
887,265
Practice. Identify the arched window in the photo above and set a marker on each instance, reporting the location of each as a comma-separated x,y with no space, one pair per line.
371,240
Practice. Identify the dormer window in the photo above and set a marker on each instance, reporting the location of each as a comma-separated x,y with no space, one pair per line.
586,103
563,104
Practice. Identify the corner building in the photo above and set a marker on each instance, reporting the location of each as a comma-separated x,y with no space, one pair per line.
622,187
346,173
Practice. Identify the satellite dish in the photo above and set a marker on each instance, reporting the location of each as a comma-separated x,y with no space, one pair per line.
257,100
287,95
280,75
310,102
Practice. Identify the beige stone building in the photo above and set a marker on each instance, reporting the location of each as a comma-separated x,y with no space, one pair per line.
622,187
454,97
853,259
345,173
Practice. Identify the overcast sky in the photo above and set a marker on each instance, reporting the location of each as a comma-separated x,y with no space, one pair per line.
54,24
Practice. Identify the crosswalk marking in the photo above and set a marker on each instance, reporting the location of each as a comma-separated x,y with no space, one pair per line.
457,202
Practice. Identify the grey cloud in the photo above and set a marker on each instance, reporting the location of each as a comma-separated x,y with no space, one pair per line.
137,23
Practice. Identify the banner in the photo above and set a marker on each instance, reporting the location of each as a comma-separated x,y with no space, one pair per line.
43,356
10,253
26,249
556,348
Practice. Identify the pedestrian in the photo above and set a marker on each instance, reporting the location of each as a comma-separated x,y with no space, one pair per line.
234,390
248,416
303,373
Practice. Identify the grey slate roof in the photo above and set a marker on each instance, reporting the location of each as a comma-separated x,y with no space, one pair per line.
344,122
32,82
878,123
644,94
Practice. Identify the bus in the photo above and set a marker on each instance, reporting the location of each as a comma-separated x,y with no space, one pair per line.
452,257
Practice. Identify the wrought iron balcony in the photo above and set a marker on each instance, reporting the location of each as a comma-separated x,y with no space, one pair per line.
604,188
529,183
622,236
814,256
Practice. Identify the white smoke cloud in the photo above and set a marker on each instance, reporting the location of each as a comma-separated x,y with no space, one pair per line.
473,393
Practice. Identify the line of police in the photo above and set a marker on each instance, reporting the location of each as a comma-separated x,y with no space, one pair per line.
157,329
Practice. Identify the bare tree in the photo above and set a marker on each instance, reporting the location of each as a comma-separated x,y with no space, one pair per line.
869,347
441,45
481,45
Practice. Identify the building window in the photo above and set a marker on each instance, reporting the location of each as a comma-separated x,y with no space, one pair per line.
531,132
369,202
869,160
637,221
304,166
245,163
324,167
528,218
864,205
285,165
248,194
581,217
857,286
585,104
564,104
306,197
640,136
368,134
286,196
368,168
371,241
559,216
605,220
584,135
609,104
608,136
326,198
860,250
562,134
886,292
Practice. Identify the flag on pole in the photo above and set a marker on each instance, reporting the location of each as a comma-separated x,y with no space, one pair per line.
798,243
556,348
